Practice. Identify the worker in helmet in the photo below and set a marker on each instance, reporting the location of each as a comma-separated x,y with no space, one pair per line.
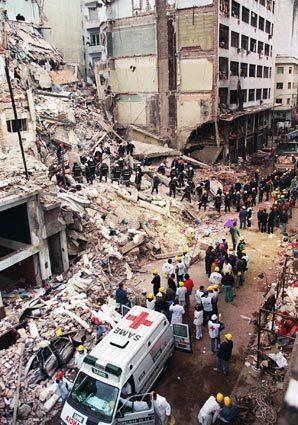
186,259
155,281
150,302
61,387
180,269
181,293
224,354
81,353
215,277
211,409
229,413
177,312
214,329
101,329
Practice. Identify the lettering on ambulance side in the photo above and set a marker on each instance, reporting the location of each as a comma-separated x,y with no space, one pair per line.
72,421
129,334
149,418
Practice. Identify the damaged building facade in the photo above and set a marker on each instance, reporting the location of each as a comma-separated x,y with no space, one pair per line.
192,71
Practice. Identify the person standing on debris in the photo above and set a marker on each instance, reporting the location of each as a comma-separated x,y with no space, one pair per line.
227,202
235,234
162,409
217,203
155,282
77,172
150,301
88,173
264,221
155,184
61,387
126,175
116,173
211,409
177,311
130,148
161,169
224,354
188,283
204,200
243,217
103,172
187,193
186,259
181,293
213,329
173,187
121,295
198,321
249,215
229,413
180,269
138,180
60,152
79,356
199,191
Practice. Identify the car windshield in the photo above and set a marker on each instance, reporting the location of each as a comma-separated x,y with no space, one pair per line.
96,396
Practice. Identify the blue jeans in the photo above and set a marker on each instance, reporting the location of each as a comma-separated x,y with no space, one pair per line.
214,344
222,365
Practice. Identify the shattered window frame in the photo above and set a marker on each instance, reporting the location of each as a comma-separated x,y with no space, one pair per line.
12,125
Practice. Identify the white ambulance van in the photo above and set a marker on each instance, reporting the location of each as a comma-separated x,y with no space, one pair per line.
112,383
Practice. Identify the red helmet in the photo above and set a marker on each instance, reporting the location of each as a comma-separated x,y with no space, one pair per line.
59,374
95,321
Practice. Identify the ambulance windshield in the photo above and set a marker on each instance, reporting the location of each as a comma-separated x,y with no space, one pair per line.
95,396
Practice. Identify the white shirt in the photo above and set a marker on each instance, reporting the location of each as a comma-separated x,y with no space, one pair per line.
181,291
180,268
61,389
246,259
198,317
168,269
186,260
215,278
161,408
177,313
226,268
79,358
198,296
210,409
150,304
213,329
207,303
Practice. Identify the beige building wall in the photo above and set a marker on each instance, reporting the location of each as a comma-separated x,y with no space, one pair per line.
131,110
196,75
286,81
64,19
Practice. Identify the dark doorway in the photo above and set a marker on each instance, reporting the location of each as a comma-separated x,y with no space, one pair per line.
55,254
20,275
14,224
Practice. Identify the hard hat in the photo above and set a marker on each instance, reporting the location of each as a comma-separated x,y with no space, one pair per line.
144,291
179,258
59,374
181,283
241,238
154,271
80,348
229,337
95,321
243,251
215,287
216,269
213,317
219,397
210,288
59,332
150,296
185,250
159,294
162,289
227,401
257,170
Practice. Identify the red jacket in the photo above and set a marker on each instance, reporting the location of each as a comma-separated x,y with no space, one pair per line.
189,284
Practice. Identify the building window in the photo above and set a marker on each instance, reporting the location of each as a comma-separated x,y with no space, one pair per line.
290,70
280,69
223,36
251,95
278,101
265,93
269,93
93,15
233,96
224,8
235,39
279,86
252,70
223,68
266,72
12,125
243,69
244,95
266,49
261,23
268,27
253,45
94,39
259,94
234,68
270,72
223,94
260,47
262,2
244,42
245,14
235,9
254,19
288,100
289,85
259,71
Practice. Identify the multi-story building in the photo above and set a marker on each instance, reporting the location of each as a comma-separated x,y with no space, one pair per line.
286,63
197,72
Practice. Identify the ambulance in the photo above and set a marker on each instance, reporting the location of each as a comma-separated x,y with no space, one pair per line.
113,383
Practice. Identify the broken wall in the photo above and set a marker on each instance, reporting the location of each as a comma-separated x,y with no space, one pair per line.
27,8
137,40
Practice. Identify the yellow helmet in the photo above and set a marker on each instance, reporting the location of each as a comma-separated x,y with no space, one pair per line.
210,288
215,287
243,251
185,250
162,289
155,271
179,258
227,401
59,332
80,348
219,397
229,337
216,269
150,296
181,283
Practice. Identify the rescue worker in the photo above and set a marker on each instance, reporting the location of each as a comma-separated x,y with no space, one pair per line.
186,259
243,217
171,282
207,307
161,169
217,203
198,295
79,356
188,283
168,268
180,269
227,202
204,200
229,413
211,409
181,293
173,186
150,301
228,282
116,173
155,184
213,329
155,281
209,258
187,193
224,354
121,295
215,277
138,180
160,303
235,234
177,312
77,173
126,175
198,321
103,172
162,409
101,329
61,387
